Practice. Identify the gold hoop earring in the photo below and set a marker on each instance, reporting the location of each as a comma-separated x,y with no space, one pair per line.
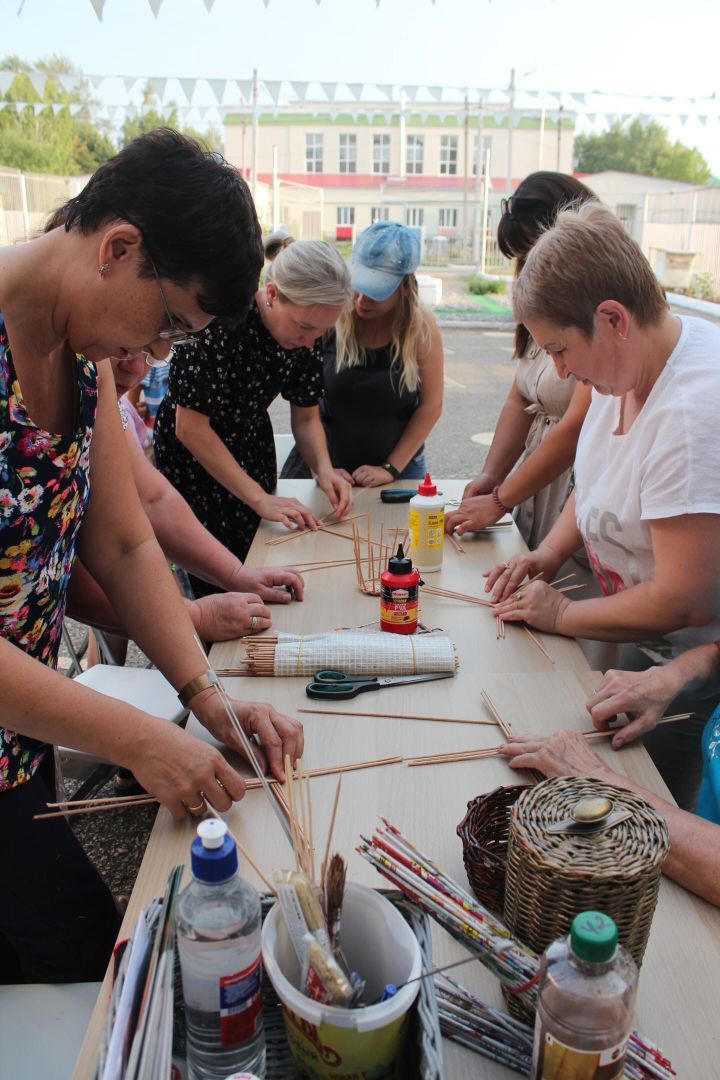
104,269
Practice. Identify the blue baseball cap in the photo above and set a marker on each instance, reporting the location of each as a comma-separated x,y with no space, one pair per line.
383,254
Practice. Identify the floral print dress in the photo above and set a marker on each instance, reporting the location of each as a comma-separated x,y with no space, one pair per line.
232,376
44,492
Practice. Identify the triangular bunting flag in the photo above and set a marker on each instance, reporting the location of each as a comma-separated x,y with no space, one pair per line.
188,87
75,109
68,82
218,88
38,82
266,2
96,81
436,92
245,87
411,91
158,86
38,108
98,6
300,89
209,4
273,88
386,89
329,89
129,83
155,6
356,89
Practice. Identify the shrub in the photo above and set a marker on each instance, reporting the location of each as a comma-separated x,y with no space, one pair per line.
480,286
702,286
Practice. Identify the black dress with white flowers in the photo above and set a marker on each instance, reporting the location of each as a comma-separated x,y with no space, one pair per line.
232,375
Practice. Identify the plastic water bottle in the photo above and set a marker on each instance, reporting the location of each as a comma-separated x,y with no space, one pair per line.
585,1005
218,936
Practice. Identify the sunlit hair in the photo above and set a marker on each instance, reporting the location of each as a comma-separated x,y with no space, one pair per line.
527,214
585,258
410,336
274,242
309,272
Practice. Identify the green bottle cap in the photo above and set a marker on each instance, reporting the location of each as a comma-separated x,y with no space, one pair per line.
593,937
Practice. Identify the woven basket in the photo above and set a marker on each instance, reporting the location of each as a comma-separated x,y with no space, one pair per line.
484,833
550,878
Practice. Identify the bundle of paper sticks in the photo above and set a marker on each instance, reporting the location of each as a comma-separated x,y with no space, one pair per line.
412,871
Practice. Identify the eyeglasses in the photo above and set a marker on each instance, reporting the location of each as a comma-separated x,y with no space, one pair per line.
175,333
506,206
154,362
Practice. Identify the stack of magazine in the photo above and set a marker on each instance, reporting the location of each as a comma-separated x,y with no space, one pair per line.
138,1037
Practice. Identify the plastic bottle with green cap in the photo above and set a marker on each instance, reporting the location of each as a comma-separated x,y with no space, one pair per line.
585,1003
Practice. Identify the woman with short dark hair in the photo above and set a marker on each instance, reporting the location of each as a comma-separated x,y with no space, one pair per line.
135,267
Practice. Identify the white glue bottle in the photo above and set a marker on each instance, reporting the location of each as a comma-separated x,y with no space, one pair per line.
426,521
218,924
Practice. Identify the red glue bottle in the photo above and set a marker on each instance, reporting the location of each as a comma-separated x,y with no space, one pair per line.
399,595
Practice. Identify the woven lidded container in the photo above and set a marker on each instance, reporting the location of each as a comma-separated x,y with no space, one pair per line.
484,834
551,877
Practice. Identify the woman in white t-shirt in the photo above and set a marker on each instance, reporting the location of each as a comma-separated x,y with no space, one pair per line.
647,496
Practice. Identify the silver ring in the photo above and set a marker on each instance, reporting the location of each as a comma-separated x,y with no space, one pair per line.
253,622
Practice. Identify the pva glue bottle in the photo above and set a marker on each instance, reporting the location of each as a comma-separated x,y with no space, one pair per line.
426,522
399,595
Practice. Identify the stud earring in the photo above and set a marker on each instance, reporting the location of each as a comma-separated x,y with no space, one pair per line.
268,304
104,269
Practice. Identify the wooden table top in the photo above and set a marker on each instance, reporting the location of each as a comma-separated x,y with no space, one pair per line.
680,974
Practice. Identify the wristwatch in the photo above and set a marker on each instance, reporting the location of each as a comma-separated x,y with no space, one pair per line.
395,473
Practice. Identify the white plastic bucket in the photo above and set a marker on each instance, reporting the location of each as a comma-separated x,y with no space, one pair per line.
328,1042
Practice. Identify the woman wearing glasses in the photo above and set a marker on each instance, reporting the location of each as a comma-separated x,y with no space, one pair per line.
213,435
163,238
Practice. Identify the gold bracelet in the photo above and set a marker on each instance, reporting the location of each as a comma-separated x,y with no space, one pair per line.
200,682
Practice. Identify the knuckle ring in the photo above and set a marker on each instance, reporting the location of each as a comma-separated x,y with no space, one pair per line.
253,622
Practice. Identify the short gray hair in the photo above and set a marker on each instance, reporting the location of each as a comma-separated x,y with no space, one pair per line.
309,272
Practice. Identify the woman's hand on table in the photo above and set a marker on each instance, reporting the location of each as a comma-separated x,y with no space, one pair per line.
536,604
277,734
476,512
642,695
224,616
505,578
182,771
564,753
371,476
337,485
273,584
289,512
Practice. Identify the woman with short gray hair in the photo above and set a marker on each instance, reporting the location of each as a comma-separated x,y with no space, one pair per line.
213,435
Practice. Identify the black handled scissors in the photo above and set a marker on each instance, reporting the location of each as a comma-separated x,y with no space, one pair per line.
338,686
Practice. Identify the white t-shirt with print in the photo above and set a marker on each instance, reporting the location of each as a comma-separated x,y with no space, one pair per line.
666,465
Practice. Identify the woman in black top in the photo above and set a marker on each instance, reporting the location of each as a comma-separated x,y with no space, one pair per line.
213,435
382,368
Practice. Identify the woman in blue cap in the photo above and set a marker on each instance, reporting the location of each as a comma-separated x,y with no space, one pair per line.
383,366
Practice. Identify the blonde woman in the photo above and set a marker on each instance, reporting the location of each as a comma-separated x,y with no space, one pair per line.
213,435
383,366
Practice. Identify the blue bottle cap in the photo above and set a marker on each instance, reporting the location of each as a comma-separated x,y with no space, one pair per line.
213,855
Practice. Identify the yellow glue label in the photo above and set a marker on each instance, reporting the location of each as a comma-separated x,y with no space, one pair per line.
554,1060
326,1052
435,529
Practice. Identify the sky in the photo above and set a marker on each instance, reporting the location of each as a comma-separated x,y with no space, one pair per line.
635,46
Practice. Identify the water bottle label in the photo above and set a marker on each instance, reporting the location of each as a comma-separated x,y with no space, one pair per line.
554,1060
241,1005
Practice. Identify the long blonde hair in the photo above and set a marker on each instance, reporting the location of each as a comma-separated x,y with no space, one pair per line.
410,335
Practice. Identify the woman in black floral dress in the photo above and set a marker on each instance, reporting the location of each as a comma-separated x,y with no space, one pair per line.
213,435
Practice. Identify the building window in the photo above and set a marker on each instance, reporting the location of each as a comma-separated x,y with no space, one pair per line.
447,218
448,155
415,217
346,215
313,153
348,153
379,213
381,154
415,154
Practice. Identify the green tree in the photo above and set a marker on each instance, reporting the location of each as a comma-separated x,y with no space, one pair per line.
150,117
52,133
641,148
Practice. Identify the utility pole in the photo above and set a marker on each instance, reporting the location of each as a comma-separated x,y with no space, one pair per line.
542,129
479,181
559,139
511,119
253,184
466,126
403,139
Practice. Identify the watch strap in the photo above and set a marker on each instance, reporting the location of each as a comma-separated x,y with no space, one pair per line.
195,686
395,473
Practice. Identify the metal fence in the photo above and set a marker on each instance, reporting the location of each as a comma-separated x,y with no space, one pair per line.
26,200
